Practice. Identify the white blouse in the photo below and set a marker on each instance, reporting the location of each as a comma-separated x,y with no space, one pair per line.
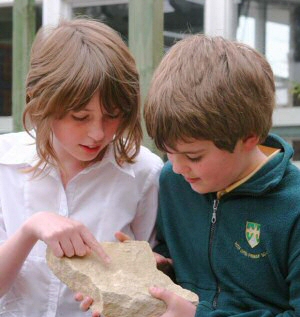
105,197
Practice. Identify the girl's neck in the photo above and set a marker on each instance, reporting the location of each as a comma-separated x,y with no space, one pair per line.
69,171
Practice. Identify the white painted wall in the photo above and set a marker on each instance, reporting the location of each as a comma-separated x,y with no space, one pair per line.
54,10
284,117
220,18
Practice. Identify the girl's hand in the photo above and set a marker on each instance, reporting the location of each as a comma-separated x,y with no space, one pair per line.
65,236
176,305
85,303
122,237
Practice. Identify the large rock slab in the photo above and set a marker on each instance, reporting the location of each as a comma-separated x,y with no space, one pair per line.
119,289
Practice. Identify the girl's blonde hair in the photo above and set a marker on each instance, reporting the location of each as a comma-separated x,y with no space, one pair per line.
210,88
69,64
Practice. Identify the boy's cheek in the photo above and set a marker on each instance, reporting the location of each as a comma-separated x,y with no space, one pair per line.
169,156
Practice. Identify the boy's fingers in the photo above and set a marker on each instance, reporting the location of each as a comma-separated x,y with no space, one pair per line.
161,259
161,293
122,236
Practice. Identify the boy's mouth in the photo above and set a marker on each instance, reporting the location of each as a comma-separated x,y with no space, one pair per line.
192,179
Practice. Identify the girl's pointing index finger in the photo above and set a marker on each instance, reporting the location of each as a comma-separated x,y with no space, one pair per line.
90,241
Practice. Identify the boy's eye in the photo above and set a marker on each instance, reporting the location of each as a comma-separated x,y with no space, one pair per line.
79,118
195,159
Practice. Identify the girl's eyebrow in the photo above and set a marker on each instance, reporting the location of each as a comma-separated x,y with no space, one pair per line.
83,109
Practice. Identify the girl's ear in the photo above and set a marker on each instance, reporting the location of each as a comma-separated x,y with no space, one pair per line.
250,142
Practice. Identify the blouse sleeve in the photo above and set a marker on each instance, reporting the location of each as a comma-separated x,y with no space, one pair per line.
3,235
143,225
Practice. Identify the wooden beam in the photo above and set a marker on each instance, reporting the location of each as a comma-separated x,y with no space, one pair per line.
23,34
146,43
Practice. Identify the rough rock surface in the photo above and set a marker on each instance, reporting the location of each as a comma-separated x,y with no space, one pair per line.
119,289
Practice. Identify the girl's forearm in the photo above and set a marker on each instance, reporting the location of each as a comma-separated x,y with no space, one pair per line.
13,253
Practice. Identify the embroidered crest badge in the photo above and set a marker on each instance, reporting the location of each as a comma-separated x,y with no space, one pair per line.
253,233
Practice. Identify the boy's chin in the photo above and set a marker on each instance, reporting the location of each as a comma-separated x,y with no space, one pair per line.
199,189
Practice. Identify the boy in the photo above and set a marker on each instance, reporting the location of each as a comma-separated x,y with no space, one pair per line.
229,214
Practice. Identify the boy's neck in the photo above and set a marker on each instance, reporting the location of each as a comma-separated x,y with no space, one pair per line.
258,158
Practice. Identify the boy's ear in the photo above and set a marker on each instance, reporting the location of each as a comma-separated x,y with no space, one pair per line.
250,142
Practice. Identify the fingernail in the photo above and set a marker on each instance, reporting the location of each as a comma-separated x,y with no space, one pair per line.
153,288
106,261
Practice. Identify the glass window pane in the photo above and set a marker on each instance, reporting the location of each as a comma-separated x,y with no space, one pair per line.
115,15
181,17
272,27
5,60
296,146
6,23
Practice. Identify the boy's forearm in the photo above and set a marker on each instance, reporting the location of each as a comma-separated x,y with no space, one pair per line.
13,253
205,309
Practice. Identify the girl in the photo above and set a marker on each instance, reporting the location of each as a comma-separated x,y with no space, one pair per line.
78,174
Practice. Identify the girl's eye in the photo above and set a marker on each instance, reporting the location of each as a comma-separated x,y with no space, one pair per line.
79,118
112,116
195,159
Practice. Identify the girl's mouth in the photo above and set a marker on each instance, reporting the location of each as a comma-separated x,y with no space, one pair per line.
90,149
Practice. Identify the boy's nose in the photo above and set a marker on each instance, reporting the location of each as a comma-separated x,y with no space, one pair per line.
178,165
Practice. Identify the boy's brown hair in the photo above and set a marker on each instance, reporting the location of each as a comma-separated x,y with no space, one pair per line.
69,64
210,88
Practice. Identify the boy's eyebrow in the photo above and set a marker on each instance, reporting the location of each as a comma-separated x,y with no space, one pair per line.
194,152
188,152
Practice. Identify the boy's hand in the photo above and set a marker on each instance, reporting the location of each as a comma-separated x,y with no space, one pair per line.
162,261
176,305
85,303
165,265
65,236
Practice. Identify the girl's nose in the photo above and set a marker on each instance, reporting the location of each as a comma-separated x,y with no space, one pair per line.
96,131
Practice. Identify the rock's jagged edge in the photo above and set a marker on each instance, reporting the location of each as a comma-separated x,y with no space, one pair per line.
121,288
